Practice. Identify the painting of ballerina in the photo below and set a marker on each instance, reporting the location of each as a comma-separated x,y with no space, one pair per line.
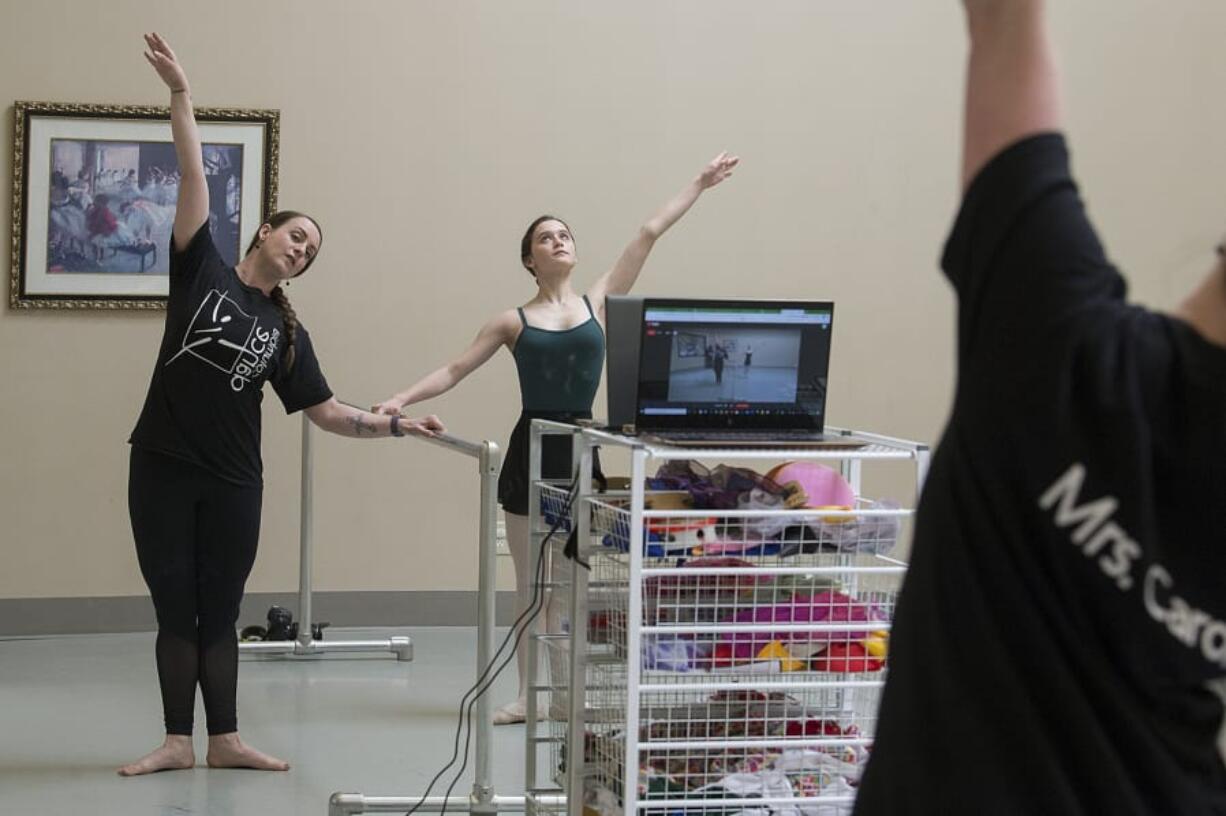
98,187
112,205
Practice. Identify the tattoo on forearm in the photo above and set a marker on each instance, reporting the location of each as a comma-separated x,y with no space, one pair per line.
360,425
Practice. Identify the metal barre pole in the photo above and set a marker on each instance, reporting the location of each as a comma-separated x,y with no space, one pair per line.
345,804
489,463
306,646
473,449
306,529
482,800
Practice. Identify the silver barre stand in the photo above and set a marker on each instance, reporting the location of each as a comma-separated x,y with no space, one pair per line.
482,799
306,646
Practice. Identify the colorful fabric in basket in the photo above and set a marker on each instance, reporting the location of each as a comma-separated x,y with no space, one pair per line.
824,607
720,488
662,538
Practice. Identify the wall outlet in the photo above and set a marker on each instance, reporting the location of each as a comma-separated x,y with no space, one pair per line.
501,538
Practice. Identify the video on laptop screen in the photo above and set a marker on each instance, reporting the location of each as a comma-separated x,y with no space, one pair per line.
722,364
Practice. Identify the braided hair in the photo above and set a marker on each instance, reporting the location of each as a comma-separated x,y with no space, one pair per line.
277,295
290,319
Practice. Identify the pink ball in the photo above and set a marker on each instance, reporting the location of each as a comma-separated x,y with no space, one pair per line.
823,485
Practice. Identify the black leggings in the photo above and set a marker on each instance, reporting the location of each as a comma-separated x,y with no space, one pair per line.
196,538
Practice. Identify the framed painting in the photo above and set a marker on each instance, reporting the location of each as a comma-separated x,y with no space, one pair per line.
94,192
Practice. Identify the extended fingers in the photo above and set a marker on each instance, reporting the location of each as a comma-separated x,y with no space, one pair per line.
721,166
724,166
159,46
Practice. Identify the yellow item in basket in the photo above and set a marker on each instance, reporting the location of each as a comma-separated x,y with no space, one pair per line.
836,519
777,651
667,500
877,643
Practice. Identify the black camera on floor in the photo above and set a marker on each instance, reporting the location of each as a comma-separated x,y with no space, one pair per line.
281,626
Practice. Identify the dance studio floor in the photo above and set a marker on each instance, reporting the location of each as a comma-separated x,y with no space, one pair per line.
73,708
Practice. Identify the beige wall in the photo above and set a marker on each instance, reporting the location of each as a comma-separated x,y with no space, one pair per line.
426,135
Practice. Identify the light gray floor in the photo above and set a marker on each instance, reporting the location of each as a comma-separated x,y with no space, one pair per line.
72,709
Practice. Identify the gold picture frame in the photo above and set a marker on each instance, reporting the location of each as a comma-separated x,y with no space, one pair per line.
94,188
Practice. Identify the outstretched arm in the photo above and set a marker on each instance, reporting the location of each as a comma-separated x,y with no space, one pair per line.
1011,85
192,208
625,272
499,331
347,420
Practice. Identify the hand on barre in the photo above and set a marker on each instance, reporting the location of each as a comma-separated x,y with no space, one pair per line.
347,419
428,426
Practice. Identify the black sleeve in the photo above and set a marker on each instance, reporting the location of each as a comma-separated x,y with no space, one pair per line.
1024,257
304,384
199,251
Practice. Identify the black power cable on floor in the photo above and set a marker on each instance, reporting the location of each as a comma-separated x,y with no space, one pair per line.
485,680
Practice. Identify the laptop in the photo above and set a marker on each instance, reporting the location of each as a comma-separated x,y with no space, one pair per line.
735,373
623,325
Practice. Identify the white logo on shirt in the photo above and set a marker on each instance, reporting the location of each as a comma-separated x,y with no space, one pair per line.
1117,552
1096,530
230,340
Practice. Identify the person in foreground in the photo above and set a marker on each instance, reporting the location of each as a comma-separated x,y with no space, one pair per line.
1063,615
196,478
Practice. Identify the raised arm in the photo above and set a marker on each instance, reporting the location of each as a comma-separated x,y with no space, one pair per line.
347,420
501,330
1011,85
192,208
619,279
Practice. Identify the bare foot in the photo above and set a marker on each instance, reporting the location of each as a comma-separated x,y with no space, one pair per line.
175,754
229,751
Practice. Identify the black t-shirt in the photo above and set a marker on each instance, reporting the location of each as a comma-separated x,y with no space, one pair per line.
1062,616
223,340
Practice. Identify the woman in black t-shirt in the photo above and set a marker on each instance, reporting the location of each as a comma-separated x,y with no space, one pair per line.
195,481
1062,625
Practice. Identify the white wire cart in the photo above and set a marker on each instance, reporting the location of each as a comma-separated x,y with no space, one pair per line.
710,661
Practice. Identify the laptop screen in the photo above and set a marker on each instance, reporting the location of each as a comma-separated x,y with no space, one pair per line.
739,365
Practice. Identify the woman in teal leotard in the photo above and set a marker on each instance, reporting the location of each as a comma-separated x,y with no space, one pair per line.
557,340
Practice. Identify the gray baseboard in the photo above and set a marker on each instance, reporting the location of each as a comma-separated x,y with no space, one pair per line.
65,616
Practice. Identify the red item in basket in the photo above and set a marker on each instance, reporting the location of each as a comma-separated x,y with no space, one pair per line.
721,655
846,657
814,728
